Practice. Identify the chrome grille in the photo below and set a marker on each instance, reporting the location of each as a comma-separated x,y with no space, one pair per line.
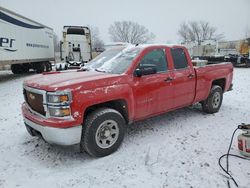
35,101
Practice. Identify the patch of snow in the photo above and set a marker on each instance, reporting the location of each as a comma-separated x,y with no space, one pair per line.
79,87
177,149
90,91
109,88
76,114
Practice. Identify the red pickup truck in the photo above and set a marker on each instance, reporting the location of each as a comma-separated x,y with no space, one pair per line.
92,106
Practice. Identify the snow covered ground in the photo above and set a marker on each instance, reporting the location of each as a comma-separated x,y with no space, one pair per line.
178,149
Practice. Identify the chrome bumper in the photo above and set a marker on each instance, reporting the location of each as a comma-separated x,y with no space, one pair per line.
59,136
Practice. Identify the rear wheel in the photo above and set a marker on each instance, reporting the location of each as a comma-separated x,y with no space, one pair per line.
103,132
26,67
48,66
40,67
18,69
15,69
213,103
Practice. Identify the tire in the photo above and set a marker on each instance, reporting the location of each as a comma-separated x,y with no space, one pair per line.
29,130
17,69
97,139
58,67
26,67
40,67
66,67
213,103
20,68
48,66
247,63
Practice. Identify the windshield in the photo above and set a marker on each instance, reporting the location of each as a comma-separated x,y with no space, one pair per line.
101,58
113,61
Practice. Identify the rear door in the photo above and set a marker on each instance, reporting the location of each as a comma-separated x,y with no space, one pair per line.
153,93
183,79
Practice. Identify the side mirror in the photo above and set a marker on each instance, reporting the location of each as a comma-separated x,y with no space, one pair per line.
145,70
138,72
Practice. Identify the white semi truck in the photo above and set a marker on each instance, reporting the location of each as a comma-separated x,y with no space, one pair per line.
24,43
75,47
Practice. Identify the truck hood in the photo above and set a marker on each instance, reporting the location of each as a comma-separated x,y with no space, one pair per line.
54,81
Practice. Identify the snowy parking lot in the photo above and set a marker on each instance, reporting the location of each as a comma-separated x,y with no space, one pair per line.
177,149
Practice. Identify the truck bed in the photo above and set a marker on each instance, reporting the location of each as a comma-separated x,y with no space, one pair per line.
205,74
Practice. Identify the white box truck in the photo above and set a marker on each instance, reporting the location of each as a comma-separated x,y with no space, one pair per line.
24,43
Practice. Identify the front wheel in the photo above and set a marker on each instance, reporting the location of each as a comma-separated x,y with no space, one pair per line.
103,132
213,103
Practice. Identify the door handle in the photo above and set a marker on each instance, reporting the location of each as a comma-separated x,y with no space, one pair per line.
168,79
190,75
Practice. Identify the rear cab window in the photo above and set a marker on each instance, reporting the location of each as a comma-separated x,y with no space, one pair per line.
179,58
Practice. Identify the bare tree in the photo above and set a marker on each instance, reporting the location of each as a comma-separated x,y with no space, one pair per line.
183,32
131,32
195,31
97,42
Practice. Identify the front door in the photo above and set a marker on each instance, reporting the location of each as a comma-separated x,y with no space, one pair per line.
153,92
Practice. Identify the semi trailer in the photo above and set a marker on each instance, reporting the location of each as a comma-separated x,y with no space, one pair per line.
25,44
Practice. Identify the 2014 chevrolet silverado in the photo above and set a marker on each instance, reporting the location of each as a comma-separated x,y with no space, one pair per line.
93,106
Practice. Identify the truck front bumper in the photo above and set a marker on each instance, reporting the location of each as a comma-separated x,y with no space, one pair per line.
61,132
58,136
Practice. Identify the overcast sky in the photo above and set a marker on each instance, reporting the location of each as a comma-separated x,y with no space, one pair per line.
162,17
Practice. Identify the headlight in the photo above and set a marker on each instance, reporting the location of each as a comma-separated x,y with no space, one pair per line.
59,111
59,103
59,97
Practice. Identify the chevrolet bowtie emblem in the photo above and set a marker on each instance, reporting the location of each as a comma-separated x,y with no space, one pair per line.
32,96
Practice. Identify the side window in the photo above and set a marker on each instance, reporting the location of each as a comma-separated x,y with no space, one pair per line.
179,58
156,57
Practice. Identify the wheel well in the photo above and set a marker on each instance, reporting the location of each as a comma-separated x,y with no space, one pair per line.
120,105
220,82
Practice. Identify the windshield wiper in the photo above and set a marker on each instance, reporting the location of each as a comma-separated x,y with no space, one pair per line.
99,70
